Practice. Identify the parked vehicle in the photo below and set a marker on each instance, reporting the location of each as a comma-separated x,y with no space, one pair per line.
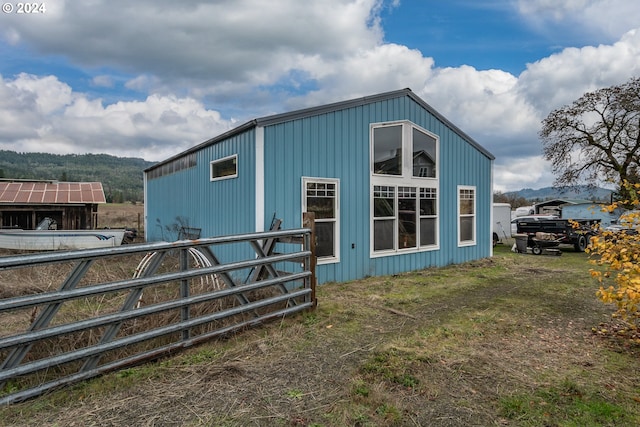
501,220
514,222
524,211
561,231
628,222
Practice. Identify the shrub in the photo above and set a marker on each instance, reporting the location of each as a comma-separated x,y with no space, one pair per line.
616,253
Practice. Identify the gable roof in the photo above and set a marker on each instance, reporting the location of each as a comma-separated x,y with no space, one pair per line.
336,106
50,192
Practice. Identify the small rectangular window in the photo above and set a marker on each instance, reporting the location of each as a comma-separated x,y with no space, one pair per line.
224,168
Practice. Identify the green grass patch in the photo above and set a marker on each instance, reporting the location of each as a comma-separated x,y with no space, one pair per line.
393,365
565,405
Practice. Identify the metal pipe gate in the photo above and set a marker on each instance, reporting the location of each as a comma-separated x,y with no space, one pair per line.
180,295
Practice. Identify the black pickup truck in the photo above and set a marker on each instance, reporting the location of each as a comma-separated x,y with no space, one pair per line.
563,230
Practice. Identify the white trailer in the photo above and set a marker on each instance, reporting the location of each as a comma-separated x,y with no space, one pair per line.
501,222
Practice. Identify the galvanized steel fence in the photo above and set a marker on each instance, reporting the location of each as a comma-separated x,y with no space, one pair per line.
179,295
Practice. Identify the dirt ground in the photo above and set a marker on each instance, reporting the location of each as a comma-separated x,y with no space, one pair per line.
467,335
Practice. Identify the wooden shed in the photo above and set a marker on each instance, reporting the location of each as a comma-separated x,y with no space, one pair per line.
73,205
394,185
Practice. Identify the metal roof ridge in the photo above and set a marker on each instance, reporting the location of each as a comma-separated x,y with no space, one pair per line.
326,108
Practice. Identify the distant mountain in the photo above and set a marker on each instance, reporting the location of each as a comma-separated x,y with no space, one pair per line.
582,192
121,177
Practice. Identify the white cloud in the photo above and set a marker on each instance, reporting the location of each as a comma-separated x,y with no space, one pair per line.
378,69
608,18
216,42
552,9
142,83
563,77
249,58
43,114
523,172
103,81
482,101
45,94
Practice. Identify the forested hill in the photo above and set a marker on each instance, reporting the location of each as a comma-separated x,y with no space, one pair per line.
582,192
121,177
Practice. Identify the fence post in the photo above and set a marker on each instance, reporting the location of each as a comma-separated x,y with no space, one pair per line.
184,290
309,221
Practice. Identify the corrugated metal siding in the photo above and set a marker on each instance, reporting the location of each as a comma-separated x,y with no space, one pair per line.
220,207
330,144
336,145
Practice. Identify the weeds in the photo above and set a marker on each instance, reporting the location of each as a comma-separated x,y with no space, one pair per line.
564,404
504,341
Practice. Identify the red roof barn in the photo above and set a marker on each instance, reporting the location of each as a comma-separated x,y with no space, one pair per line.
73,205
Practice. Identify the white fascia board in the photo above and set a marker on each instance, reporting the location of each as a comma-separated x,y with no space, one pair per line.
259,173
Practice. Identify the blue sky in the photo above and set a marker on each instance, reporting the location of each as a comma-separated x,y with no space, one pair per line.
459,33
152,78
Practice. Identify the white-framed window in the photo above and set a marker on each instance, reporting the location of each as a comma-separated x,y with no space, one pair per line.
428,217
404,218
384,217
466,215
404,150
224,168
404,191
322,197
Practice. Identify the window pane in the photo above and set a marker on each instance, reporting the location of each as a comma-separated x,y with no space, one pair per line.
383,208
467,197
323,207
466,207
424,155
324,238
387,150
427,207
384,201
407,223
466,228
428,204
427,231
383,234
407,215
224,168
466,194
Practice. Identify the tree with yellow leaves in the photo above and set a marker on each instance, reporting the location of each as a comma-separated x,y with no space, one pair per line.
616,253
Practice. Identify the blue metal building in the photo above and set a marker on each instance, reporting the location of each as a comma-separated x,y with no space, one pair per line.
590,210
394,185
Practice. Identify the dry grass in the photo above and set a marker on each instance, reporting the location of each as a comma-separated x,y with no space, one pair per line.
464,345
29,281
121,215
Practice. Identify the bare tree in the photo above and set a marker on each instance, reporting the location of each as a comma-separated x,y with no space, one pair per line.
512,198
596,138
